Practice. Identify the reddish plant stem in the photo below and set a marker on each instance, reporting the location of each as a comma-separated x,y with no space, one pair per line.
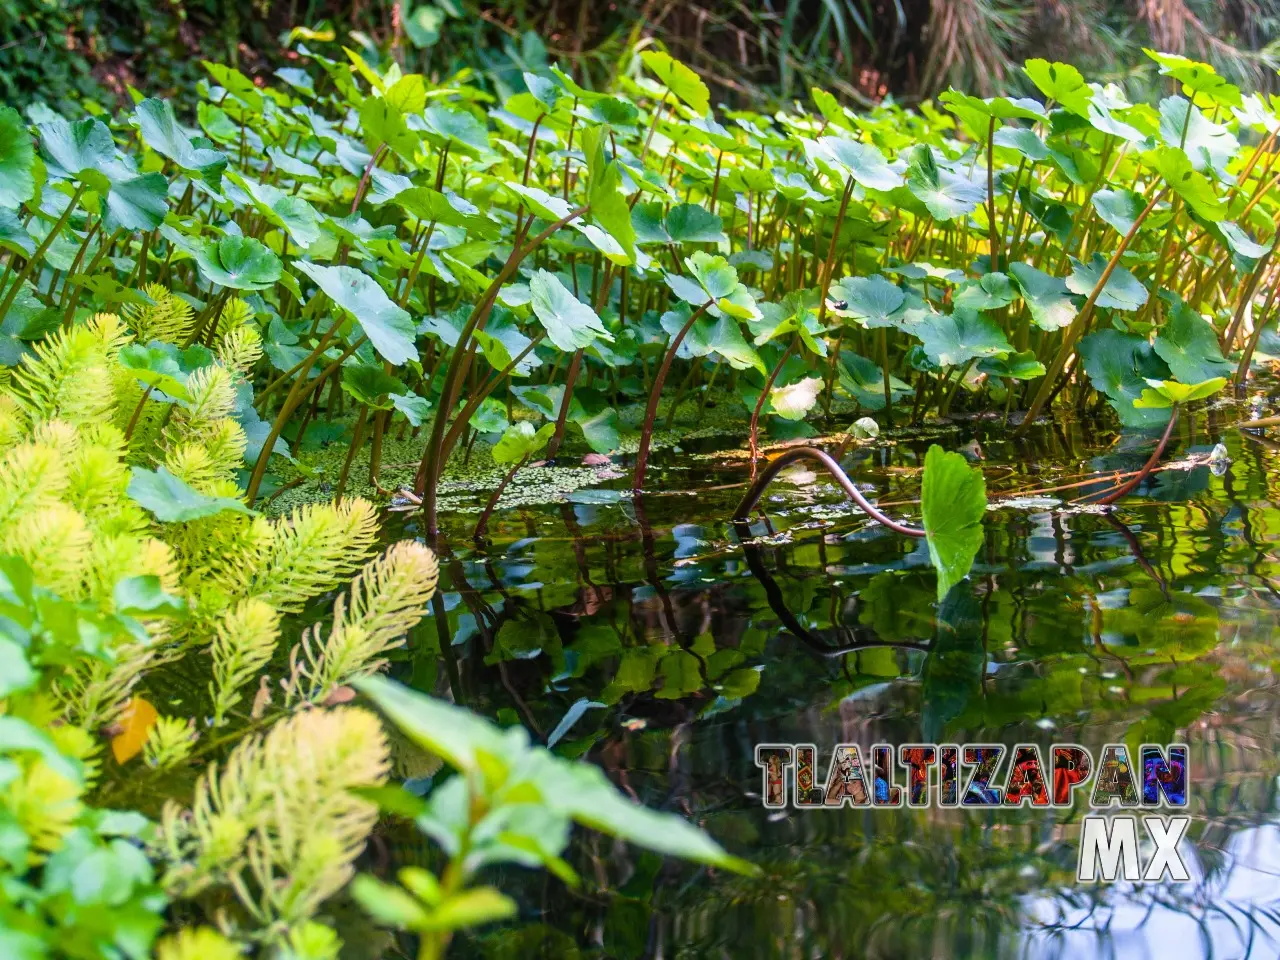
364,177
757,488
755,414
1147,467
651,411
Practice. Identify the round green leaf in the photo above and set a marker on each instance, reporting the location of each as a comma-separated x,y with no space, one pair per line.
240,263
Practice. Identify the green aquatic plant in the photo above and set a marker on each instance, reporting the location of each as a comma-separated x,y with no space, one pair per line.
359,264
509,802
279,823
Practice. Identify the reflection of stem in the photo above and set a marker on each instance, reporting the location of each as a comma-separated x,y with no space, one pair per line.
1147,467
777,603
1136,549
483,522
756,491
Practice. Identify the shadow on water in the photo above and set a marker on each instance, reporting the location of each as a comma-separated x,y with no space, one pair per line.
655,639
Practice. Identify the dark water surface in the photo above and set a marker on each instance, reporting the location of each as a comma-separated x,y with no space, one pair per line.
647,637
650,637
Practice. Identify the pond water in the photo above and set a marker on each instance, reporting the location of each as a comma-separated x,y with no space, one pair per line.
646,636
663,644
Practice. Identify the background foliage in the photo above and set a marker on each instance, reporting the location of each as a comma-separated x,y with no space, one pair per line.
862,50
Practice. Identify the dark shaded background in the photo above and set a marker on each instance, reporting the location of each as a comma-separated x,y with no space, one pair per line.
749,51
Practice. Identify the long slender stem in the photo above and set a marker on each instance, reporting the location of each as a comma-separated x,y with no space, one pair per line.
651,411
1147,467
25,273
432,461
483,523
1078,325
764,393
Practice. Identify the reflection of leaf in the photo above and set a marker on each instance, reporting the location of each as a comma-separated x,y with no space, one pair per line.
953,500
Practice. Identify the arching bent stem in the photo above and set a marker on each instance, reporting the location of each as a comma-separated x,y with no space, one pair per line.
757,488
1147,467
432,461
646,431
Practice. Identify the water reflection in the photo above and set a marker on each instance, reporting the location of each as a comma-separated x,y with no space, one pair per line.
661,642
